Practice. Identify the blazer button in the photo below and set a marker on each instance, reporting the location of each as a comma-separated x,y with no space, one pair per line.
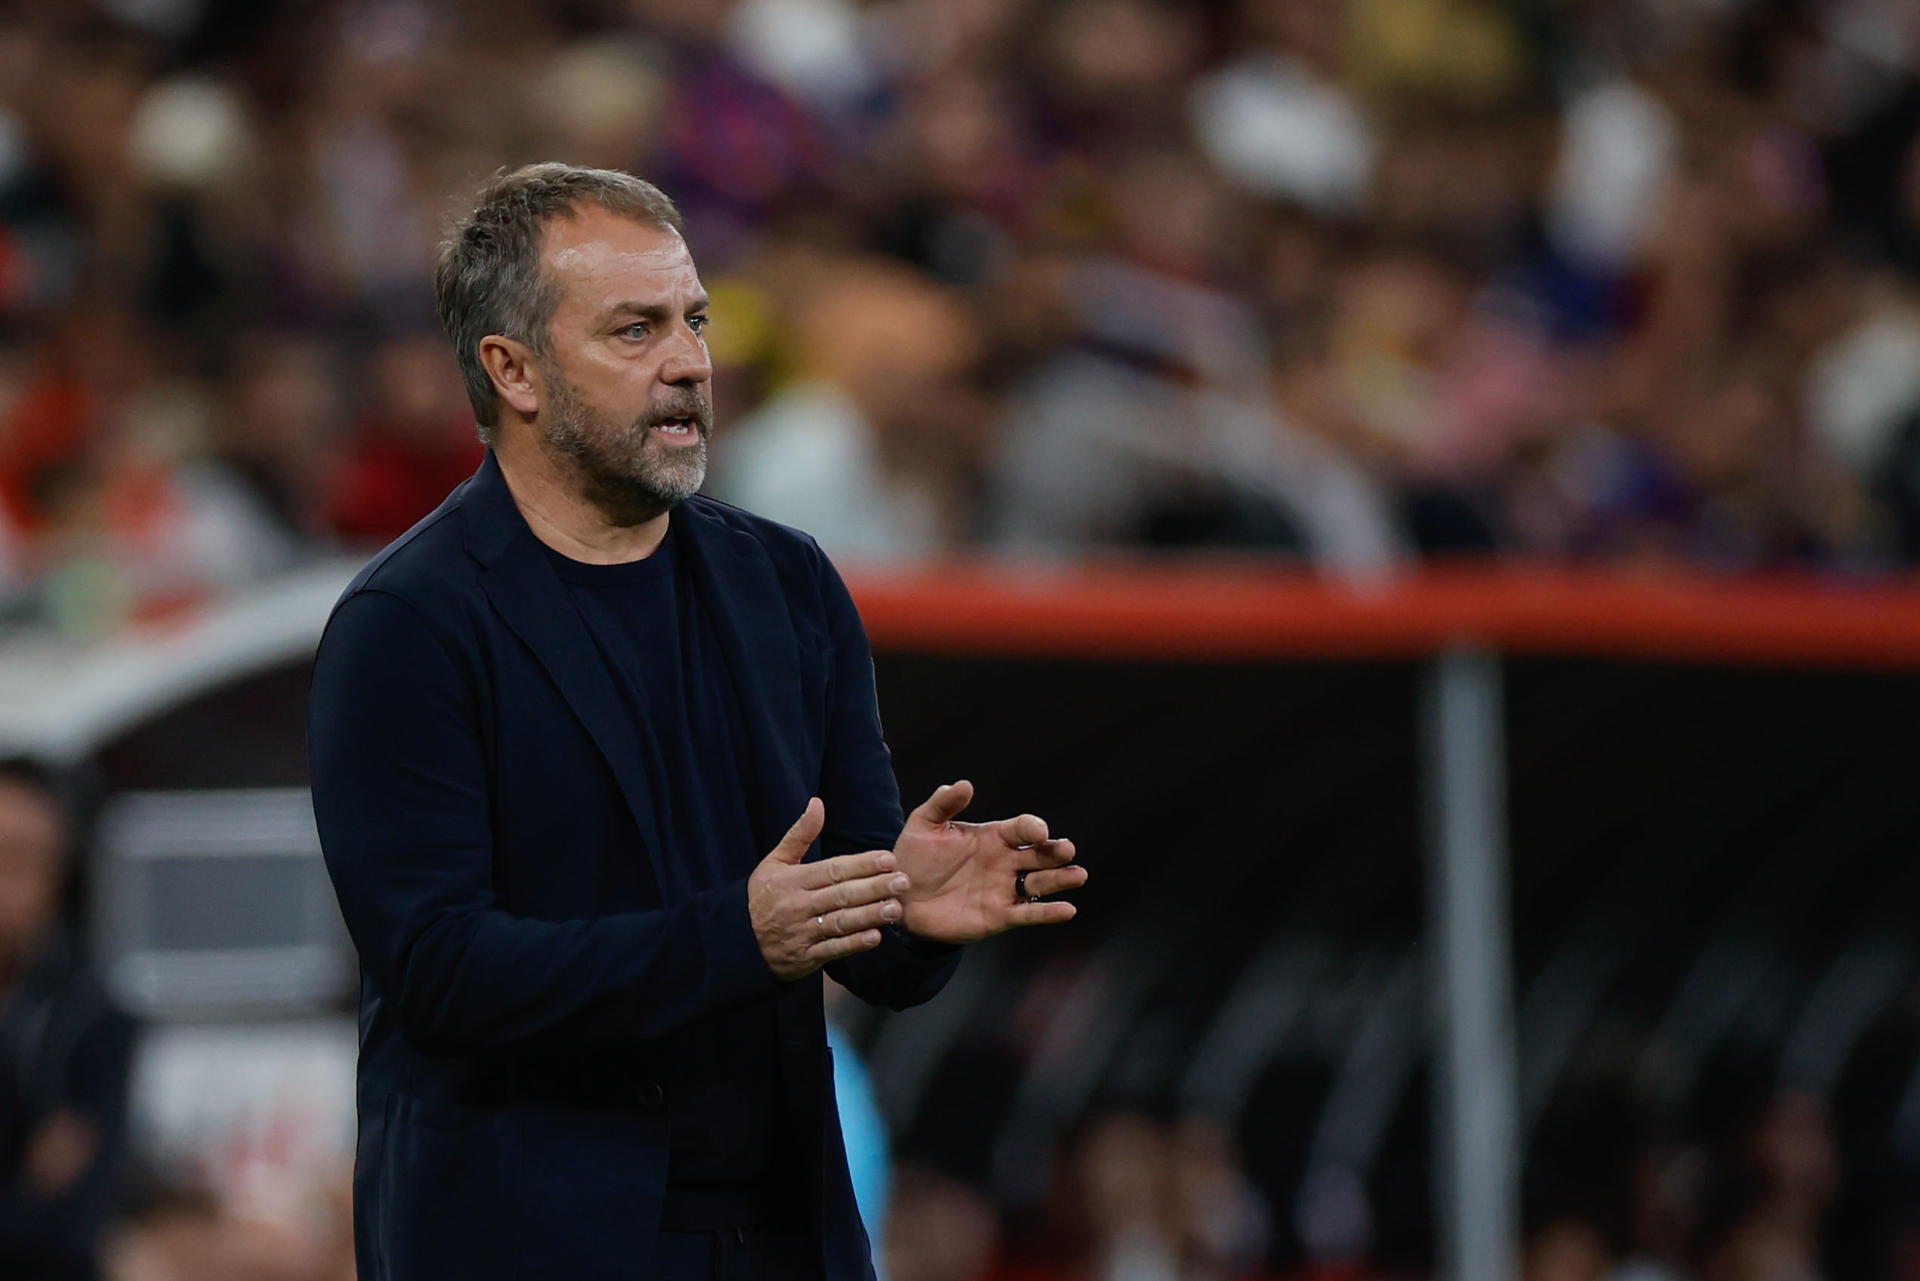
649,1094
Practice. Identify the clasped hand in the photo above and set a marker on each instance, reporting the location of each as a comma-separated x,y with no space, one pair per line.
970,880
947,881
806,915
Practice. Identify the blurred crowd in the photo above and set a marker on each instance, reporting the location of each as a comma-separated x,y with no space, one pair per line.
1748,1192
1751,1194
1350,282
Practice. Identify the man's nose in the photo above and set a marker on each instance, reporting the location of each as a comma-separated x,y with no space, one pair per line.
686,360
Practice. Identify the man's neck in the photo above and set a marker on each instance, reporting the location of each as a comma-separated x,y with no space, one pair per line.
562,516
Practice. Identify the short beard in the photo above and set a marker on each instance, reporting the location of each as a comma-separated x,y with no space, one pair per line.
623,470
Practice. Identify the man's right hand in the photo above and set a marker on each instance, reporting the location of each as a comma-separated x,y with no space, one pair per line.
806,915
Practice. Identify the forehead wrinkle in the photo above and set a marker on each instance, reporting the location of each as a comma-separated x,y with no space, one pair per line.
596,257
607,278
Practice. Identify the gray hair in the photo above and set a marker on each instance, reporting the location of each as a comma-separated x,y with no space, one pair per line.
489,279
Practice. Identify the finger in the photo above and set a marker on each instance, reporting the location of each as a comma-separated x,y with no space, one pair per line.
847,867
805,831
946,803
868,889
1022,830
1054,880
829,950
852,920
1048,913
1055,853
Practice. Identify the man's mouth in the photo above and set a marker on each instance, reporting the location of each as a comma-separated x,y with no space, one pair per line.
682,429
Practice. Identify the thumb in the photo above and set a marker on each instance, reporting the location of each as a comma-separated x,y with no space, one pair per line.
805,831
946,803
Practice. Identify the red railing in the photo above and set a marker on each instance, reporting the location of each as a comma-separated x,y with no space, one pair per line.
1215,612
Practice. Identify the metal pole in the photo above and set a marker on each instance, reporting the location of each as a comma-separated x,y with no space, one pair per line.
1475,1104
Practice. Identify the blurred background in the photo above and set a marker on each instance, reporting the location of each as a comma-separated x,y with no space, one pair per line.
1194,375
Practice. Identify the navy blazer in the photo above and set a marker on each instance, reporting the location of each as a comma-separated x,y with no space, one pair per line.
484,812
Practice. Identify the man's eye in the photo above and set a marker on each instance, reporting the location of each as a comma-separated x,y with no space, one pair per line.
699,323
638,329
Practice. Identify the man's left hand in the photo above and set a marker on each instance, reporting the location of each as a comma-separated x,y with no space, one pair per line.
968,878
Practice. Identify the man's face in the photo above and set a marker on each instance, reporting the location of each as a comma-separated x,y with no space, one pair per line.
627,382
31,834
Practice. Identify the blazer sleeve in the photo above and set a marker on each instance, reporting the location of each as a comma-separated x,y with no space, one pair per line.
863,809
400,795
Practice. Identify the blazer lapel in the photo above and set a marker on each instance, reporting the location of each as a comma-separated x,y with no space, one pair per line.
743,597
530,597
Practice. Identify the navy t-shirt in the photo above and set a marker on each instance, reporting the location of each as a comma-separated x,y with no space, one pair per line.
722,1085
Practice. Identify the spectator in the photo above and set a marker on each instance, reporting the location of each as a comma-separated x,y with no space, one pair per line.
1567,1249
275,432
1278,117
1223,1224
1120,1168
64,1053
938,1229
872,447
413,443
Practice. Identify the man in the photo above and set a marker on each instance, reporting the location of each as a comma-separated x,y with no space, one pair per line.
65,1053
575,739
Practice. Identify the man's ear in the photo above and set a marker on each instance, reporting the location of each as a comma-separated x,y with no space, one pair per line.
514,372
